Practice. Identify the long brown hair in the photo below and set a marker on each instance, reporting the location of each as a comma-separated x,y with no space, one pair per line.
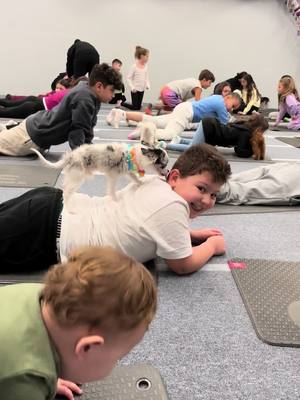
289,86
250,86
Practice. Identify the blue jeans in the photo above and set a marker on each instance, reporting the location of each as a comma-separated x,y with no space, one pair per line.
198,138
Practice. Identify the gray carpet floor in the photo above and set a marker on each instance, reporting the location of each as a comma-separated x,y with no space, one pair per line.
202,340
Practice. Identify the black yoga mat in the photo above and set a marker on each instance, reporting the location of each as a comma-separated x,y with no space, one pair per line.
293,141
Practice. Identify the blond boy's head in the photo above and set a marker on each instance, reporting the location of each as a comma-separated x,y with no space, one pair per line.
105,301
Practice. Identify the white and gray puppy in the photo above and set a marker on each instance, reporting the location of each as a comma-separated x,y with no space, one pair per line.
113,159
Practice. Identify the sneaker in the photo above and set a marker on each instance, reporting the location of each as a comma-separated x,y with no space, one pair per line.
176,139
162,144
135,134
114,117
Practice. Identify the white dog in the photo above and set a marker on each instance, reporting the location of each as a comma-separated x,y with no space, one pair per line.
114,159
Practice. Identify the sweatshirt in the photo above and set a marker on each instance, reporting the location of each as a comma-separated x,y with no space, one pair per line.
72,120
231,135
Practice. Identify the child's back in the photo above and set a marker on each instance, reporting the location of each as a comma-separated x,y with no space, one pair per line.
31,365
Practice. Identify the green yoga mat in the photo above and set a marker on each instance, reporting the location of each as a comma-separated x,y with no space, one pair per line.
30,176
127,382
293,141
271,293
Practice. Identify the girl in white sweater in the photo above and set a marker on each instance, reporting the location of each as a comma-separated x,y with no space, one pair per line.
138,79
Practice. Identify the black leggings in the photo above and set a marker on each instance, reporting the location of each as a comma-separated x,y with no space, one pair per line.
20,108
28,230
136,99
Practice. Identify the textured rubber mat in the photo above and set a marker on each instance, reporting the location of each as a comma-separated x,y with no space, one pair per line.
290,140
270,290
225,209
230,156
31,176
132,382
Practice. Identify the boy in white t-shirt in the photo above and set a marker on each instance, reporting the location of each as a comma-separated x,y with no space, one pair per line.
176,92
147,220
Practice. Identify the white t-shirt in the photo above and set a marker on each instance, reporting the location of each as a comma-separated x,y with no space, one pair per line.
184,87
138,78
146,220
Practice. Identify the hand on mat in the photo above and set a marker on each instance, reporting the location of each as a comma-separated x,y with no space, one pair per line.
218,242
202,234
66,388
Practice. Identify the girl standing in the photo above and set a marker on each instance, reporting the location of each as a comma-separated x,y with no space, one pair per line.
138,79
250,95
289,102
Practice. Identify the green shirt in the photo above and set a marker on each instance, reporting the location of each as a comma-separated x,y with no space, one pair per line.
29,364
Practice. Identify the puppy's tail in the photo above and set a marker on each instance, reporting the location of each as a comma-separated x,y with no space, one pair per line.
56,165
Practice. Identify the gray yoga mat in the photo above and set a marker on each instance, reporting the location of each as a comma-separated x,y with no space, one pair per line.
293,141
226,154
27,175
30,157
127,382
37,276
225,209
271,292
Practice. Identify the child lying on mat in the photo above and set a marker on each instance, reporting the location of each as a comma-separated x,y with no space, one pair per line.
145,221
72,120
66,330
246,137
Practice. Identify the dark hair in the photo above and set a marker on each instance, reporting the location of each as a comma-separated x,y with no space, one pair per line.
254,122
207,75
250,87
218,89
200,158
240,75
66,82
106,75
140,51
116,60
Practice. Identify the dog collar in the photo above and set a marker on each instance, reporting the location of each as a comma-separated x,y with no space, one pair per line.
132,163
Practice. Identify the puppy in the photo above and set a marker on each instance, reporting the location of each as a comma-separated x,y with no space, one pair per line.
257,142
113,159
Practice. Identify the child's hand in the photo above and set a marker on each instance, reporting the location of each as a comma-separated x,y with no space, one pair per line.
203,234
218,242
65,388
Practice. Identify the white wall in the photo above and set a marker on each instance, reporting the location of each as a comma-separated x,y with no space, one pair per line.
184,36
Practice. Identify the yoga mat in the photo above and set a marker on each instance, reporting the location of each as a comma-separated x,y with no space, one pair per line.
293,141
30,157
225,209
127,382
227,155
271,292
37,276
27,175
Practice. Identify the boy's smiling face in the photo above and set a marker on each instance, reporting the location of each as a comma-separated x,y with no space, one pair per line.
199,190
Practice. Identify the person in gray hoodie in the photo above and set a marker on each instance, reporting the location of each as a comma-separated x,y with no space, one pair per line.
72,120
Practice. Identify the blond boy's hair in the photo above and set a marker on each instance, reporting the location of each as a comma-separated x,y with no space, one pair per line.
101,287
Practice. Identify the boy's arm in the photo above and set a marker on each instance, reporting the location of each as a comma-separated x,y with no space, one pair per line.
81,130
223,114
197,93
24,387
214,245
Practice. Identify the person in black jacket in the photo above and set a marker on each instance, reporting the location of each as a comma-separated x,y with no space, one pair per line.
237,135
72,120
81,58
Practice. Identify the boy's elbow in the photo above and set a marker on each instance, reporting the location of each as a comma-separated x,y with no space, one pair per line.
182,266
